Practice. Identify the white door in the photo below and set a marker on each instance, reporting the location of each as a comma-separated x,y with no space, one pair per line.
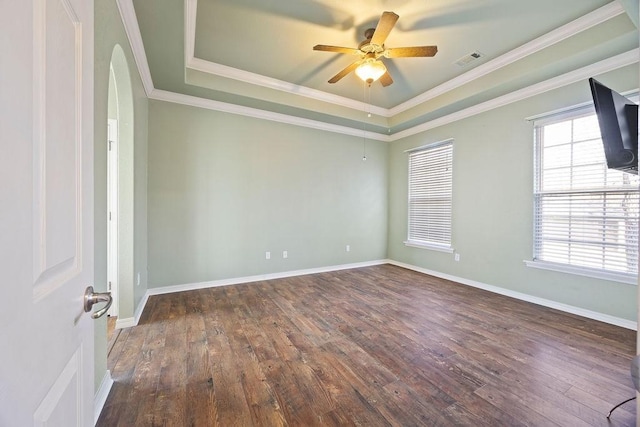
46,212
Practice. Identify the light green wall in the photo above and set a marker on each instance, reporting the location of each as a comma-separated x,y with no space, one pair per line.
632,8
224,189
109,32
493,204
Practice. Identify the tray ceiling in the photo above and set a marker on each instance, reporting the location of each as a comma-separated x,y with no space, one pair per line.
257,56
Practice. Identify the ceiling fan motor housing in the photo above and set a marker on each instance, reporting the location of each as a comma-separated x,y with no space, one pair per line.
366,46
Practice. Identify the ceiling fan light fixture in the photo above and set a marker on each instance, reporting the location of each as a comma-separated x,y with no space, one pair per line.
371,70
368,67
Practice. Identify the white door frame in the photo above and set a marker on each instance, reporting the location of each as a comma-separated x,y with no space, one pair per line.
112,214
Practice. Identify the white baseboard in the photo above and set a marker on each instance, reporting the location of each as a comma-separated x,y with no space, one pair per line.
141,306
128,322
618,321
125,322
260,277
101,395
613,320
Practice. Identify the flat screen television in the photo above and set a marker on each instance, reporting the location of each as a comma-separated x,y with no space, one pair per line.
618,120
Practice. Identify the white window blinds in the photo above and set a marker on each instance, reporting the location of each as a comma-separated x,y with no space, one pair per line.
586,215
430,194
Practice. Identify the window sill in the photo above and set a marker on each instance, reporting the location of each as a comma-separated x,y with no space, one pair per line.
587,272
433,247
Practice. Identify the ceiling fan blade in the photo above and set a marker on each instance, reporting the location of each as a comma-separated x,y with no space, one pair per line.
345,71
337,49
414,51
386,79
385,25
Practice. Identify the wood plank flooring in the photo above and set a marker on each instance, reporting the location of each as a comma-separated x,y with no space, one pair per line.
376,346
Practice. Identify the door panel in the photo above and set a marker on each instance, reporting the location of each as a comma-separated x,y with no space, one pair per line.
64,398
57,141
46,212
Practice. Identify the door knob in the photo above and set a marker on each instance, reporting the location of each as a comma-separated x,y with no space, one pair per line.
91,298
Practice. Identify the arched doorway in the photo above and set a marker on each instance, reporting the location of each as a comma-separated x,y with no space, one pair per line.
120,182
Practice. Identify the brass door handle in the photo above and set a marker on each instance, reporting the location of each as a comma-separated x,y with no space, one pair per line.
91,298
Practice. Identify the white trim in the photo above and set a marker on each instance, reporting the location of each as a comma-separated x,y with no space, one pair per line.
260,277
220,70
132,29
561,113
581,108
127,13
209,104
112,211
609,64
583,23
126,322
133,321
586,272
433,247
216,69
190,15
101,395
613,320
140,308
129,322
130,22
576,26
429,145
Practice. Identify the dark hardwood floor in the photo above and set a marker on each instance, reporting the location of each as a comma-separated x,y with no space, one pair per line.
376,346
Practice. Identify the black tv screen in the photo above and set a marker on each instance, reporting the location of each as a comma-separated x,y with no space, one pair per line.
618,120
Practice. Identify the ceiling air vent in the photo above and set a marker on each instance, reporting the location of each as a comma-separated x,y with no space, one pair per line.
467,59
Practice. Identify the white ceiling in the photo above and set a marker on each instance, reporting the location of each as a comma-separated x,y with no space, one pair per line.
257,54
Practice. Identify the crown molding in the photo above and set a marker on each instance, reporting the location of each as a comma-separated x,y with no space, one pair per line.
220,70
131,28
609,64
583,23
194,101
130,22
198,64
190,14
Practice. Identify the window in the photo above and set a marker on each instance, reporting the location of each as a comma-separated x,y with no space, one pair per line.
586,216
430,193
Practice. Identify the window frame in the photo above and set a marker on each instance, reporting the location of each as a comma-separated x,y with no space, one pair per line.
426,244
539,124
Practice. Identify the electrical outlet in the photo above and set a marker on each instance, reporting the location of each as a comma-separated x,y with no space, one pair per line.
456,257
348,248
267,255
285,254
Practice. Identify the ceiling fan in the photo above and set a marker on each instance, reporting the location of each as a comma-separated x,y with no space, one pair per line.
370,67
